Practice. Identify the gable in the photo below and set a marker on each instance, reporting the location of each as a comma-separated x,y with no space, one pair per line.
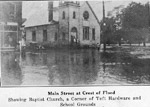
86,6
93,12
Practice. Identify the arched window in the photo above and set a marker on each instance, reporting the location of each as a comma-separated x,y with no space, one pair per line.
74,29
74,15
63,15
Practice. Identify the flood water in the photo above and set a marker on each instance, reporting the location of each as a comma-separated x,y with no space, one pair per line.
73,67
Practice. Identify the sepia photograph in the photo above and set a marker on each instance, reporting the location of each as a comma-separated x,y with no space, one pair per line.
75,43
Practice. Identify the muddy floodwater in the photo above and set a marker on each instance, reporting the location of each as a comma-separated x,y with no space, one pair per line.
59,67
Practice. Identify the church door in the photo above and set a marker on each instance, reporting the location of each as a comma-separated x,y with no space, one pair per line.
74,37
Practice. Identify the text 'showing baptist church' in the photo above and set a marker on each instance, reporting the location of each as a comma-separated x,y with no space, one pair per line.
69,23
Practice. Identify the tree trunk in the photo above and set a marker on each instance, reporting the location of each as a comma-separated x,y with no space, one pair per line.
144,44
119,43
139,43
104,47
104,42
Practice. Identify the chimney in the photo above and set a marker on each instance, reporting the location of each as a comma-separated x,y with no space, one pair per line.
50,11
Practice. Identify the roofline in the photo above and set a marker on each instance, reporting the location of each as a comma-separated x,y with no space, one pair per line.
93,12
56,22
40,25
37,25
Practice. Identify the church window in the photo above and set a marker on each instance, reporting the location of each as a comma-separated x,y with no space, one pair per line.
93,33
85,33
63,15
55,36
63,36
86,15
74,15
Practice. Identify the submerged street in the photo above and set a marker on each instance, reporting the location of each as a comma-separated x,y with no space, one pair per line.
117,66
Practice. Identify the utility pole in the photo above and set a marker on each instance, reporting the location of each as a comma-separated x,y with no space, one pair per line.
144,41
148,15
103,10
148,18
104,25
68,23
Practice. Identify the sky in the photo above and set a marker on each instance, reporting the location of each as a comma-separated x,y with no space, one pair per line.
30,7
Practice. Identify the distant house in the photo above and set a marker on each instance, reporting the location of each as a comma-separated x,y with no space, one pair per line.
69,23
10,23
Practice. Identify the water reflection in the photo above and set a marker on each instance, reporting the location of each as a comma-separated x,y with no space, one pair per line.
73,67
11,70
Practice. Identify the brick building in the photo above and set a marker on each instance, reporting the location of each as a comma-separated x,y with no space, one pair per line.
10,23
69,23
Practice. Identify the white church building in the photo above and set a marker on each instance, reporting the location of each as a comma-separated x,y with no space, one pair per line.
68,23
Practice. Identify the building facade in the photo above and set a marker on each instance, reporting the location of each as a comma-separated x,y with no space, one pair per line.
75,24
10,23
44,34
